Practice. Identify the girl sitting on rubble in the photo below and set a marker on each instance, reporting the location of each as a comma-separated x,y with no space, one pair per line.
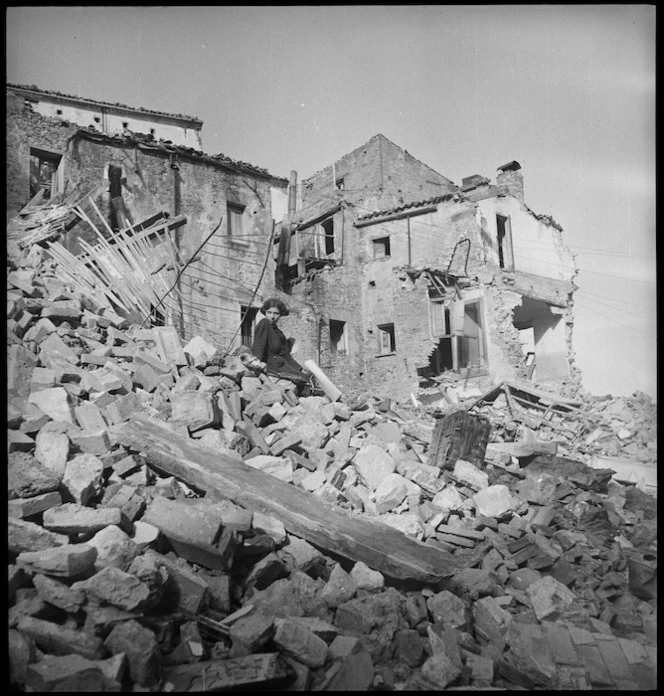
273,349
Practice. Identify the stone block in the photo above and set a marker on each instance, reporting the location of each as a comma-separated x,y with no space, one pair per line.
95,442
194,531
296,641
448,609
141,649
144,357
74,673
529,652
28,536
313,481
267,524
58,593
22,508
83,479
355,673
469,474
197,346
74,519
53,638
265,572
491,621
279,467
20,364
89,417
27,476
300,554
54,403
117,588
42,378
52,450
114,548
373,464
53,348
169,346
66,561
494,501
21,653
252,631
408,647
339,588
391,492
367,579
424,475
437,672
549,597
120,409
285,443
448,498
196,410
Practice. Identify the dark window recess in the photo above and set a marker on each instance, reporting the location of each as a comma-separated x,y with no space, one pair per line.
338,337
58,112
97,119
381,247
43,166
340,184
386,344
504,235
118,211
125,124
328,229
248,320
235,214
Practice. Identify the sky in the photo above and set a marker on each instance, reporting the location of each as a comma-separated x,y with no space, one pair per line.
566,90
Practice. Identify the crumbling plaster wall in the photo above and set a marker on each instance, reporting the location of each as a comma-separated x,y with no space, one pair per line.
227,269
537,243
324,295
27,129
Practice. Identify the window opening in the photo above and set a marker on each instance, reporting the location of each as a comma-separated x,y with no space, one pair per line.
338,339
381,247
235,214
58,112
328,229
504,235
458,328
340,184
387,343
97,119
248,321
125,124
43,168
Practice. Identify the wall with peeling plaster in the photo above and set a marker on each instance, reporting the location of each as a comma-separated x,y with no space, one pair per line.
25,129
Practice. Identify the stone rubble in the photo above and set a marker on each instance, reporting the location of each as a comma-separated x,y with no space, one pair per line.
122,579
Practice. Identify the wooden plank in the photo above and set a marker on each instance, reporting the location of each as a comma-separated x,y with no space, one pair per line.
330,528
260,671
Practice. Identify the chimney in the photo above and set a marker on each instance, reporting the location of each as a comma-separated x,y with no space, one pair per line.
509,175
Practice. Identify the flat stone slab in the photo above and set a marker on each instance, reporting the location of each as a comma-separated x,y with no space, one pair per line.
72,518
66,561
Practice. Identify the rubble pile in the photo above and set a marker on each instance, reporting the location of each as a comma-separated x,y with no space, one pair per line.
123,578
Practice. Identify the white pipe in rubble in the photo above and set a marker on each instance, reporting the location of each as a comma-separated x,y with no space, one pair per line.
326,385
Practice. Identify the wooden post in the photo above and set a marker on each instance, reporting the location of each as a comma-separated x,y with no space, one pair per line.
326,385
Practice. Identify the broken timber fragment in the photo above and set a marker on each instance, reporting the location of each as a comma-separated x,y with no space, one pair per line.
460,435
379,546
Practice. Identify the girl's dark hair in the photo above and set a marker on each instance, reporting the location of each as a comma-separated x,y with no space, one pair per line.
275,302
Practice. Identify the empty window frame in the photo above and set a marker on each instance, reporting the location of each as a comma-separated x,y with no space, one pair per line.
339,184
338,337
43,172
234,215
461,337
386,343
247,323
328,232
504,242
381,247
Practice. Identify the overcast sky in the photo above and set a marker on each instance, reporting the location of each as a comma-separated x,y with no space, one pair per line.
567,90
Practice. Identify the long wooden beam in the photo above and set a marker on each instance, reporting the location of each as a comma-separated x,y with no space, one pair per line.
323,524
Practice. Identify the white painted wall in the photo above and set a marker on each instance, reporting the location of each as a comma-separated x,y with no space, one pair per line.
538,246
112,124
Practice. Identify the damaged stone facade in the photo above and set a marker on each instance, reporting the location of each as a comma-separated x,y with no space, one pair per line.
141,177
420,283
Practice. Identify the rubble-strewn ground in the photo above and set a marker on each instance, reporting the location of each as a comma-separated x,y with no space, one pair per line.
121,578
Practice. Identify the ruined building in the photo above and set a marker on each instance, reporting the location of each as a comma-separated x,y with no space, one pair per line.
143,170
398,279
413,281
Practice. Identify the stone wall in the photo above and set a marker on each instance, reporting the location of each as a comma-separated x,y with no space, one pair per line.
26,129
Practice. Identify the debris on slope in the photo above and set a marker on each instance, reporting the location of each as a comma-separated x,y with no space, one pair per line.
125,577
